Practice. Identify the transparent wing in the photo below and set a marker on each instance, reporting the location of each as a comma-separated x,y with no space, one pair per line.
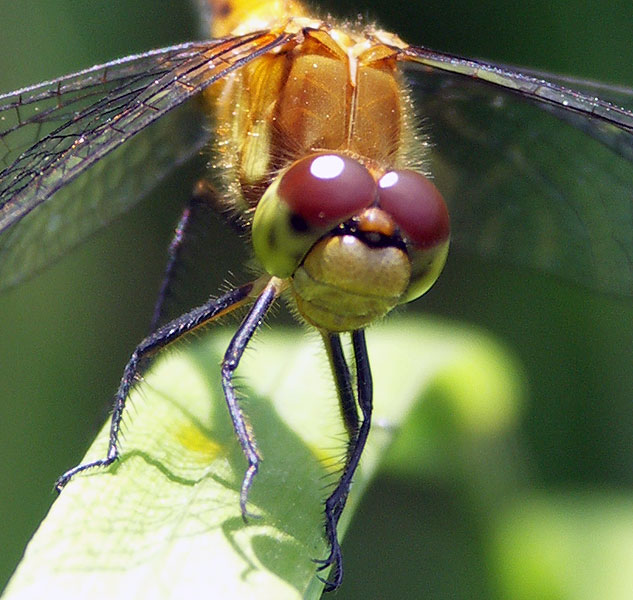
50,134
618,95
100,194
535,174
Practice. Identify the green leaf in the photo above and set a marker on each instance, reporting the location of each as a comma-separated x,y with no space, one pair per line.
164,522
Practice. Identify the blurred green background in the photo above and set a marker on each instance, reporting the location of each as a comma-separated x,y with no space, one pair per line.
537,507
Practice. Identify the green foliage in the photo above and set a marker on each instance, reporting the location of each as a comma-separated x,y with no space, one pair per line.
164,522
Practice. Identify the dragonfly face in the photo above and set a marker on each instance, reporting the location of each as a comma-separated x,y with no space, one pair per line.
555,237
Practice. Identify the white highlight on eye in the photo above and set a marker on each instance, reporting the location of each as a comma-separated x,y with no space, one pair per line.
388,180
328,166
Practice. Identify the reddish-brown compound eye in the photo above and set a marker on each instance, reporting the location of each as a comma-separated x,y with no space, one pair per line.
416,205
325,189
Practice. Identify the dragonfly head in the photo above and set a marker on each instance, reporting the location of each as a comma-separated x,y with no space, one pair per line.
352,245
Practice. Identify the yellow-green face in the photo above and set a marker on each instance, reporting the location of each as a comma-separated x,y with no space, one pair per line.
353,245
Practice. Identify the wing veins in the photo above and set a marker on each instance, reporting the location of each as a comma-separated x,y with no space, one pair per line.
47,176
525,85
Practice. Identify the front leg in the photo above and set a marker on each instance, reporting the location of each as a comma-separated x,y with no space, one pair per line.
229,364
335,503
162,337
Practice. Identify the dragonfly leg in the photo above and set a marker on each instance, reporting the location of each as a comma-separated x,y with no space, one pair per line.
173,259
335,503
343,380
162,337
203,198
230,363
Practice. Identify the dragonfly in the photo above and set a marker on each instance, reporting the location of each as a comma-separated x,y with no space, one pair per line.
358,164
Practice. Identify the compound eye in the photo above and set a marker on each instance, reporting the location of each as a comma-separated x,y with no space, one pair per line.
313,196
417,207
326,189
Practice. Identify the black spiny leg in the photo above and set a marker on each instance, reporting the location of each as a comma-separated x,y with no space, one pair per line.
203,197
340,370
335,503
162,337
173,259
231,361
